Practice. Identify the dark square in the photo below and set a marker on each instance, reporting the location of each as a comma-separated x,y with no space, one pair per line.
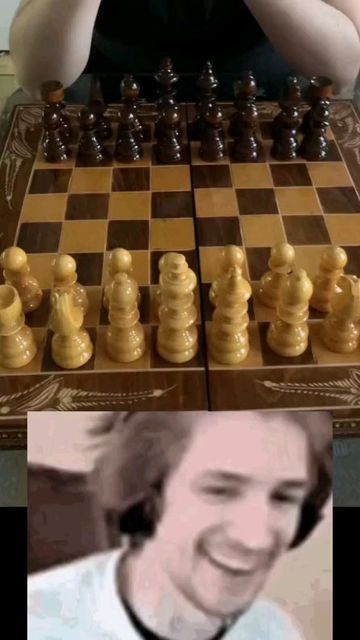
216,232
172,204
129,234
208,309
334,154
155,256
271,359
48,363
257,259
353,254
39,237
50,181
339,199
132,179
256,201
157,362
89,268
306,230
40,317
290,175
87,206
210,176
144,308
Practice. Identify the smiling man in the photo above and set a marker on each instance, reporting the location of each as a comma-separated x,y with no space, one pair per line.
207,504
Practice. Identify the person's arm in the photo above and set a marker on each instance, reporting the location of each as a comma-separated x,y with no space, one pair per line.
316,37
51,40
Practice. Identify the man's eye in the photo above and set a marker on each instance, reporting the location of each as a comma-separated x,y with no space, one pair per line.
225,492
287,499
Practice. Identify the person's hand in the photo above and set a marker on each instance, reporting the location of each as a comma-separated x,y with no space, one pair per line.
68,441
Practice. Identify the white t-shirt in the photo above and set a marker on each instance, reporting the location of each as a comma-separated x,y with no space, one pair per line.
79,601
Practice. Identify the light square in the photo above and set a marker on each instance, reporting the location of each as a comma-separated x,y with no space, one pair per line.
329,174
344,228
91,180
41,208
40,268
172,234
297,200
308,258
248,176
170,178
129,205
215,202
261,231
83,236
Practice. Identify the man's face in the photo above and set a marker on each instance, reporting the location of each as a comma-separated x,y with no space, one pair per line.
231,508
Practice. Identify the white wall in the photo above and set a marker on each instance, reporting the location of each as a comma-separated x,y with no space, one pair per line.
7,10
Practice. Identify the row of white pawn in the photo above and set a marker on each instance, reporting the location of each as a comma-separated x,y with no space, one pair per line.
290,291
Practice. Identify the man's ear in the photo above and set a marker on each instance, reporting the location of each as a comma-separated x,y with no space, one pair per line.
141,518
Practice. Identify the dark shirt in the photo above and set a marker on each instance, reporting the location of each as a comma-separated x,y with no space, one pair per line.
131,36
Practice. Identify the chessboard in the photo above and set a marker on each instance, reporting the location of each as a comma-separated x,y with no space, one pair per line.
194,208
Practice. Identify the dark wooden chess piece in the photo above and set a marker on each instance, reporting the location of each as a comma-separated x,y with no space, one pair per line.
128,148
289,108
320,88
130,90
285,127
292,91
91,150
53,144
161,125
52,92
245,96
315,145
167,79
103,126
212,146
207,85
168,148
246,146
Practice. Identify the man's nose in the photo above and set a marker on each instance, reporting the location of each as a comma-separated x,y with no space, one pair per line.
252,525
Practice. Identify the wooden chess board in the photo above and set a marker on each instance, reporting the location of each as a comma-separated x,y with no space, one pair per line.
194,208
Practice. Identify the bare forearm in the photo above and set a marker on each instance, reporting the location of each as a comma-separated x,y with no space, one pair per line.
51,39
313,36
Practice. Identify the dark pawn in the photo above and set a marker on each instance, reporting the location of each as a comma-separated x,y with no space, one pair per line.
320,88
212,145
285,146
245,92
128,148
292,91
103,126
161,125
168,148
288,118
53,145
315,145
207,85
246,147
130,90
91,151
166,79
52,92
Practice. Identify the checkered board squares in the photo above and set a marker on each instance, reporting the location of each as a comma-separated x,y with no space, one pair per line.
195,207
309,204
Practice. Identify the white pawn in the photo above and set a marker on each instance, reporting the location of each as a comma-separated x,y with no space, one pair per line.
125,340
65,277
288,335
228,336
230,256
163,264
17,344
340,329
120,261
177,336
71,346
332,263
17,273
281,263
